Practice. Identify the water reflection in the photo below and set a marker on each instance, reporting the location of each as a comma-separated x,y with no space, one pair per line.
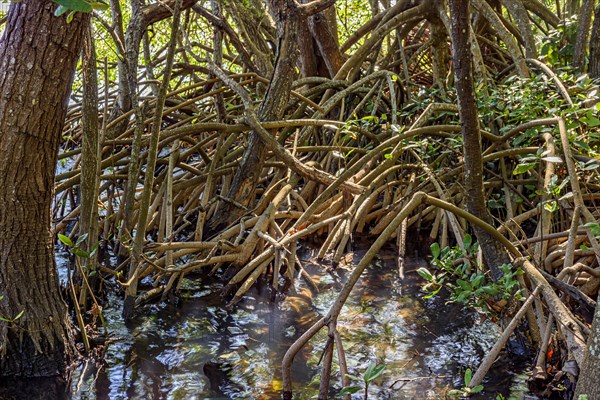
197,349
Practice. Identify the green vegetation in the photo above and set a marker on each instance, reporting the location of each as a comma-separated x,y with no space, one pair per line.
218,140
466,281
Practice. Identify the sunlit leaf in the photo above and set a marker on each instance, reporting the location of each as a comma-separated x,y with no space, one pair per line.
65,239
552,159
76,5
19,315
424,272
468,376
551,206
97,5
522,168
60,10
81,239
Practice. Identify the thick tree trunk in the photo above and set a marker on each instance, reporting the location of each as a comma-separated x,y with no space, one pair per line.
494,254
38,54
590,370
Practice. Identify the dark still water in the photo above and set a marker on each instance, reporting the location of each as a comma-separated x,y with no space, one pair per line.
197,349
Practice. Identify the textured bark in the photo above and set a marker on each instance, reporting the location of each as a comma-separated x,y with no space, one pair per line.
133,38
584,20
590,370
89,147
123,103
323,27
439,52
594,64
493,252
90,158
307,61
519,12
538,8
243,188
38,54
504,34
318,43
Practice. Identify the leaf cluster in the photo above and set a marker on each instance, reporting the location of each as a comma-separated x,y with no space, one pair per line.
466,391
468,285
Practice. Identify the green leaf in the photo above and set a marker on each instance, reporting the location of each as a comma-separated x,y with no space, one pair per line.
80,253
551,206
594,228
60,10
468,376
97,5
81,239
567,196
553,159
463,284
593,121
467,239
424,272
435,250
76,5
492,291
522,168
370,118
19,315
349,390
354,377
94,249
477,389
373,371
476,280
581,144
65,239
